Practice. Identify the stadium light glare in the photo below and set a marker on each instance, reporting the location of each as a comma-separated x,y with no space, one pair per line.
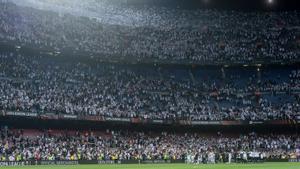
270,1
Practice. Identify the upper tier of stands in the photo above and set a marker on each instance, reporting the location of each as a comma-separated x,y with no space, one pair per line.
120,33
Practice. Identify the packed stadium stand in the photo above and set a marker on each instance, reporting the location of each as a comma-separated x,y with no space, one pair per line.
43,85
111,83
147,34
110,145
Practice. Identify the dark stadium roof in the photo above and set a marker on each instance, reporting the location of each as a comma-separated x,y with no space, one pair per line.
259,5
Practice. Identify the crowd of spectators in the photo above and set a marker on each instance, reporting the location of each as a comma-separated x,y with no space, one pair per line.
152,34
16,145
44,85
33,83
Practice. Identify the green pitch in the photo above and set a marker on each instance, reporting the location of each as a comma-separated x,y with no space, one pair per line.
170,166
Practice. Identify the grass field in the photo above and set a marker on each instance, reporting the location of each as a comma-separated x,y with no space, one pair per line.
170,166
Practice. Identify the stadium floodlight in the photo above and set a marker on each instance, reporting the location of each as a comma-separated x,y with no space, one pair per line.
270,1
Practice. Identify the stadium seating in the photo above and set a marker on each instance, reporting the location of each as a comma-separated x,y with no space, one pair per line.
36,84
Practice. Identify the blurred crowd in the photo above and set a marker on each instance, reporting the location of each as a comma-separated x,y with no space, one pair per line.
15,145
152,34
50,85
